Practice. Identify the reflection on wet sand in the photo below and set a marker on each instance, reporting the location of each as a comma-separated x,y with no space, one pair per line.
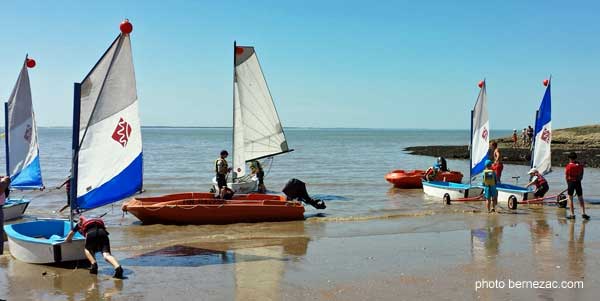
542,253
485,249
258,256
576,255
72,282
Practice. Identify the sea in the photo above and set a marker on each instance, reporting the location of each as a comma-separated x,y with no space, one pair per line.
344,167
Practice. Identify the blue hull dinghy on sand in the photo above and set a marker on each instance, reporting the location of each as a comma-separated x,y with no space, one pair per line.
21,143
107,156
512,195
479,146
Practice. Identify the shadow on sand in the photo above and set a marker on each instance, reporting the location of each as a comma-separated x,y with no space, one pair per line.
186,256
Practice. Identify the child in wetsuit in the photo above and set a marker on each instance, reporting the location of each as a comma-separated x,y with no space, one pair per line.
489,187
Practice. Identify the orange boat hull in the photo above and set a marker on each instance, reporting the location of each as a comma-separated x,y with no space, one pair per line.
198,208
412,179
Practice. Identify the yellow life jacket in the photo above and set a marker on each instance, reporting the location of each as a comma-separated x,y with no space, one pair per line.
489,177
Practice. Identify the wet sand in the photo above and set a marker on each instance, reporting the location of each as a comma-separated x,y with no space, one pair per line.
427,256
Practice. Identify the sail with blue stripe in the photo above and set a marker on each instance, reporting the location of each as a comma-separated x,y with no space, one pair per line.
22,151
543,135
480,133
108,157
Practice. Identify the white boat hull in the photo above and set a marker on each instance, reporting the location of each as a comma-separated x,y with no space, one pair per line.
242,187
14,209
454,190
48,246
505,192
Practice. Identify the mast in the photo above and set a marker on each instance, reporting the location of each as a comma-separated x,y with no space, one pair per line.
6,148
471,150
75,148
233,173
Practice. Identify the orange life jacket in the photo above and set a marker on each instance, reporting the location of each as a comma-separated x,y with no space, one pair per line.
540,181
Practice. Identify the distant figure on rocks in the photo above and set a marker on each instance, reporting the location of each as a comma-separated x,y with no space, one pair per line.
524,137
574,176
496,156
515,138
529,135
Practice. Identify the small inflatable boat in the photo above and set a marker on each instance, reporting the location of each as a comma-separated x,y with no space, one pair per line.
413,179
195,208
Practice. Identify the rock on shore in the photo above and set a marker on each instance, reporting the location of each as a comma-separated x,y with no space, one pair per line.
584,140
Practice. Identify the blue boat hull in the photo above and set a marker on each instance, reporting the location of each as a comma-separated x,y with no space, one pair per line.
42,242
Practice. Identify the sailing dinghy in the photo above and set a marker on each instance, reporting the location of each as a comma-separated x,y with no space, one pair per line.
107,155
479,146
257,130
22,153
540,156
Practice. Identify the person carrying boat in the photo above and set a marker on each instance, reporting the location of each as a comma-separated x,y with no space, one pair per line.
574,176
96,240
5,191
540,183
221,170
490,193
258,171
497,166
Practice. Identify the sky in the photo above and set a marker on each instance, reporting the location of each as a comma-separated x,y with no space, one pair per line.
353,64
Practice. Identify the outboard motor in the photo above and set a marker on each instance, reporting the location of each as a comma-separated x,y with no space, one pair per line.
296,190
442,163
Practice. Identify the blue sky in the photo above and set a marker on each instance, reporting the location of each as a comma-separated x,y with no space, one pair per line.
375,64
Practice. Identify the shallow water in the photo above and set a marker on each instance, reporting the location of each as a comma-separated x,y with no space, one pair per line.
406,233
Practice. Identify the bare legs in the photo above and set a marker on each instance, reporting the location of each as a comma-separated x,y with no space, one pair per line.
581,204
111,259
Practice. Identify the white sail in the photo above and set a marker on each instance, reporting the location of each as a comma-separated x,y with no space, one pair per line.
257,129
480,133
23,164
110,155
543,135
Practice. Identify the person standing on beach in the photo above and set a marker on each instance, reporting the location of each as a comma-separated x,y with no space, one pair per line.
490,193
574,176
5,191
497,166
96,240
221,170
524,137
515,138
